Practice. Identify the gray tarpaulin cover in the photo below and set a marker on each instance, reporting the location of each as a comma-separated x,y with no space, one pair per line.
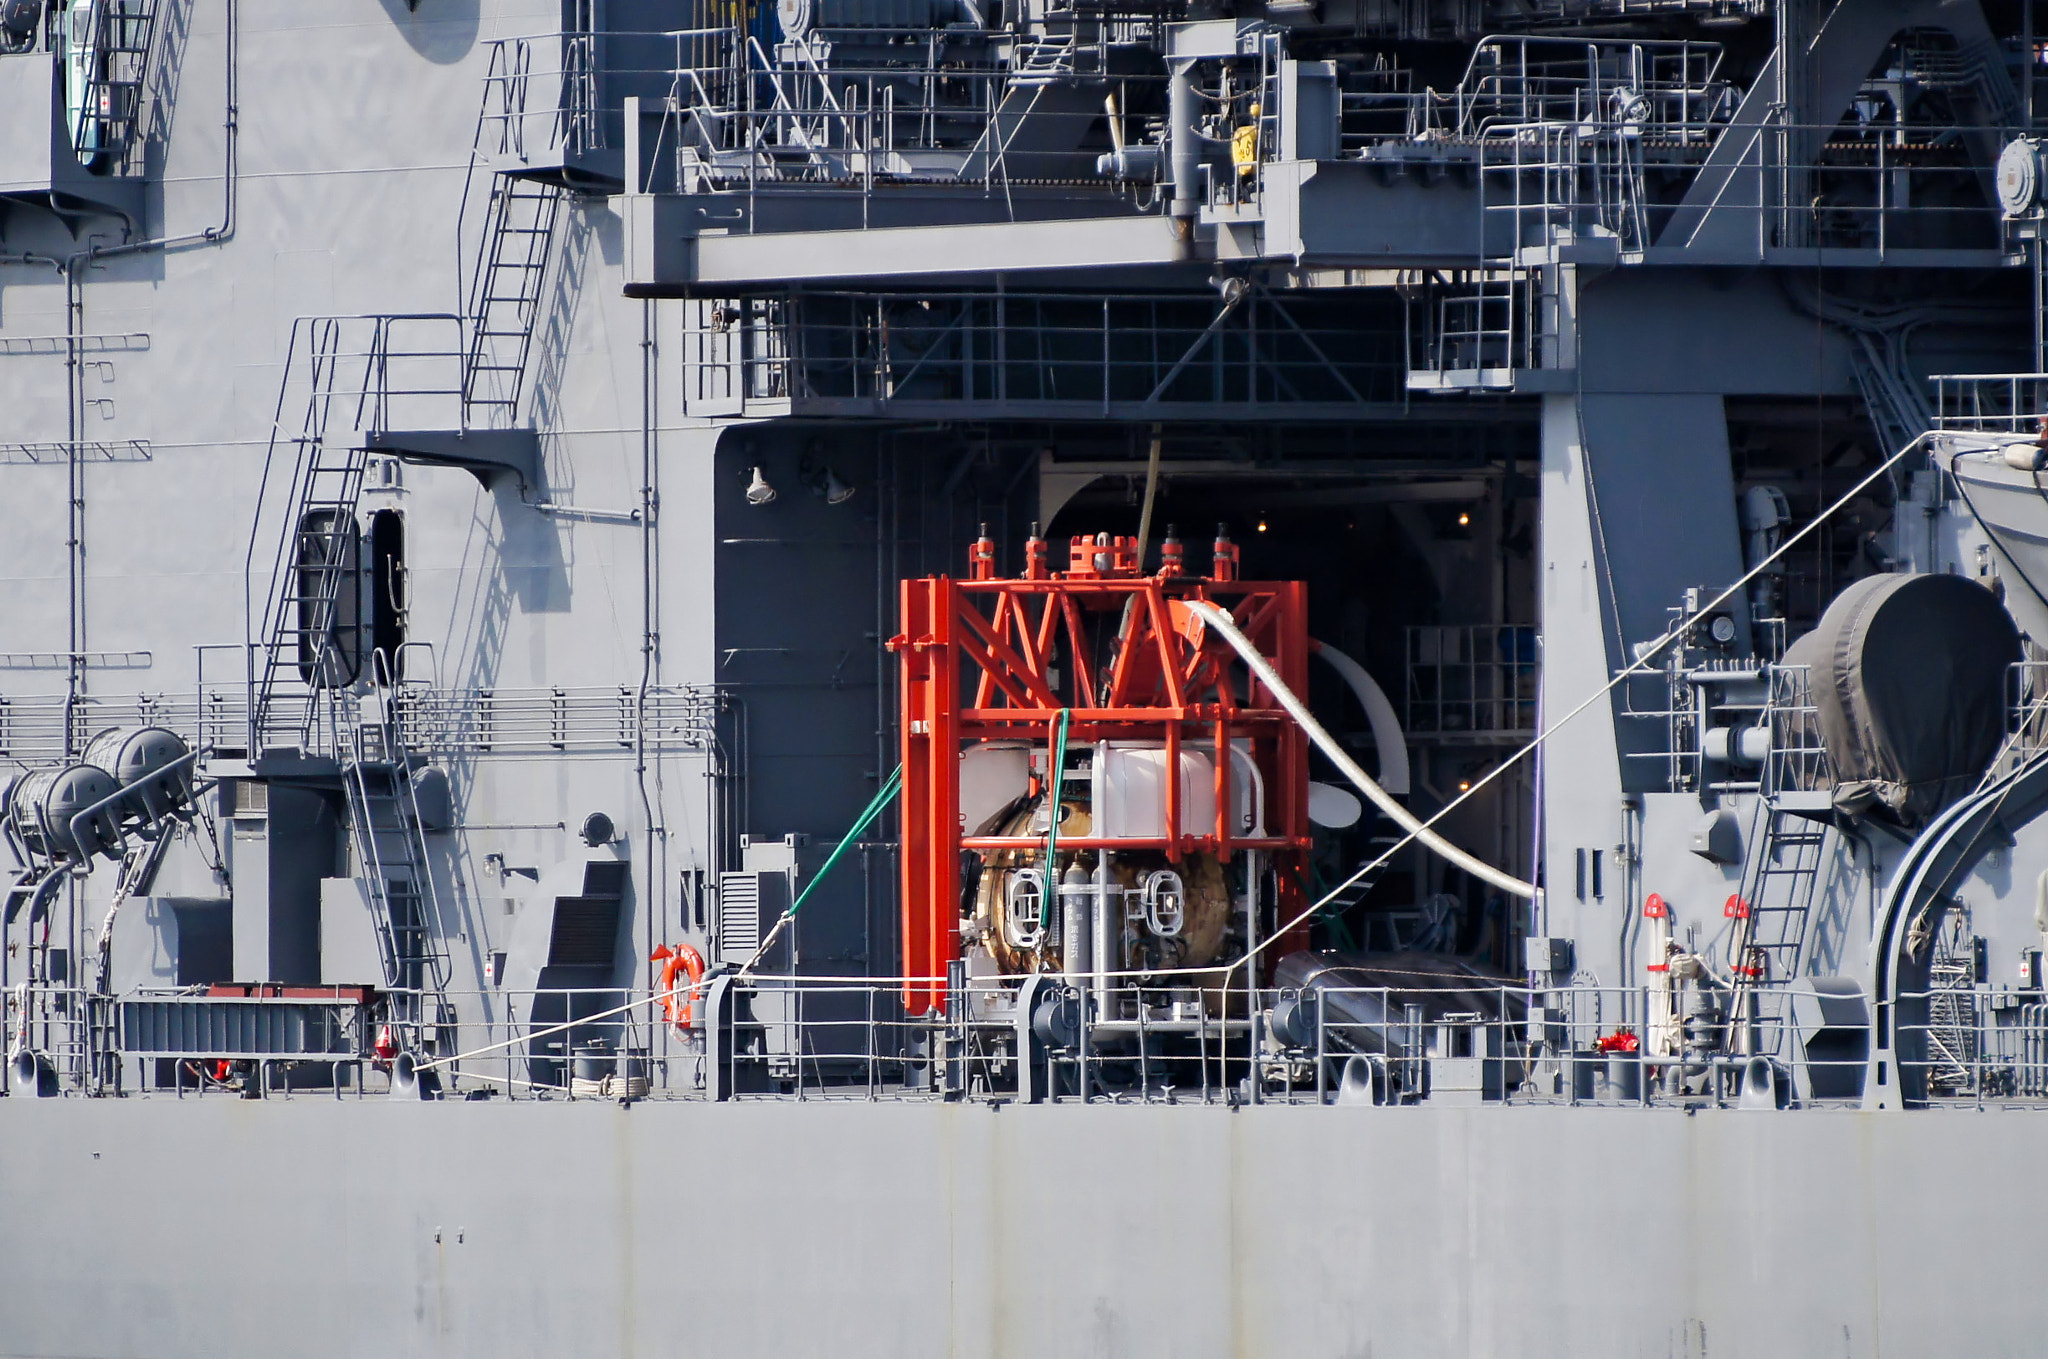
1908,675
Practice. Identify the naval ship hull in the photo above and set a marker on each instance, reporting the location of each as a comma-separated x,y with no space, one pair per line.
363,1227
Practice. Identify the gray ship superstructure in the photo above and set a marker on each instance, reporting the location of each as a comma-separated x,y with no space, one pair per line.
976,676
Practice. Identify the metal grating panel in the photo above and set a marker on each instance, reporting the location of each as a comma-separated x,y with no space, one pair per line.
231,1028
604,878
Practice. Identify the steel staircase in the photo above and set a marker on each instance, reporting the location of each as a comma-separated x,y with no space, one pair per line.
386,835
505,291
297,646
1043,60
1385,836
1953,1025
1770,912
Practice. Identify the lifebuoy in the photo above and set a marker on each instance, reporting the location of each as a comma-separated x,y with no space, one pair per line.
675,1004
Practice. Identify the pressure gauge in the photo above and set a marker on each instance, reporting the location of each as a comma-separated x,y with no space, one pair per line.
1721,627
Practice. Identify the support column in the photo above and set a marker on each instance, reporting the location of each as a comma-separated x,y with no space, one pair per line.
1638,505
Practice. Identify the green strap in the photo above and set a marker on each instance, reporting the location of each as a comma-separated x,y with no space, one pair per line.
1052,833
890,787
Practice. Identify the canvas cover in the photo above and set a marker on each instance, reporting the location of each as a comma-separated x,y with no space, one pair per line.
1909,681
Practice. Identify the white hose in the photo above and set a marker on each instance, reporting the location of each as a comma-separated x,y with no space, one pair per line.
1221,621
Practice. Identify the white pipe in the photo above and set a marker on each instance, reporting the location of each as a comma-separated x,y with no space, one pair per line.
1219,620
1387,736
1102,959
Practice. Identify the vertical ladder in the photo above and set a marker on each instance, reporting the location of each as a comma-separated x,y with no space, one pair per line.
391,857
505,292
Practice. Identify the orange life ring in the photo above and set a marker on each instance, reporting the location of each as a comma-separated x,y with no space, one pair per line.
675,1005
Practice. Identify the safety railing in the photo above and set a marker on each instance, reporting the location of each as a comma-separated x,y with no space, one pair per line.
555,101
2026,719
1798,756
1699,11
431,721
1728,725
1977,1042
521,721
1380,102
866,352
356,374
1992,403
47,1024
756,119
1707,1042
1661,88
1775,186
1482,332
1671,90
541,98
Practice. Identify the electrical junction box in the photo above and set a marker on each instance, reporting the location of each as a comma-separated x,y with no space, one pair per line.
1545,954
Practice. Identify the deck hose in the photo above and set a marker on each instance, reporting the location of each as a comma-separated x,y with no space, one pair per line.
890,787
1221,621
1053,818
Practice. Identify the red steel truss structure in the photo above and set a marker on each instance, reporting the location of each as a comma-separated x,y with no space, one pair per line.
1001,659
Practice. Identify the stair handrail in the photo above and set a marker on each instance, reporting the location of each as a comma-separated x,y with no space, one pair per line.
311,337
429,925
415,825
344,709
353,380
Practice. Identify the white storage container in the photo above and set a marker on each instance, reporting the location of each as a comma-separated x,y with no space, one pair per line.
993,774
1130,791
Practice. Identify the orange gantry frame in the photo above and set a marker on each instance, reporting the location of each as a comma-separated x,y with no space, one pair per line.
1125,658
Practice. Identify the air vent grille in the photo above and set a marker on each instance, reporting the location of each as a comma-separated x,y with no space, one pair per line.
586,932
748,906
